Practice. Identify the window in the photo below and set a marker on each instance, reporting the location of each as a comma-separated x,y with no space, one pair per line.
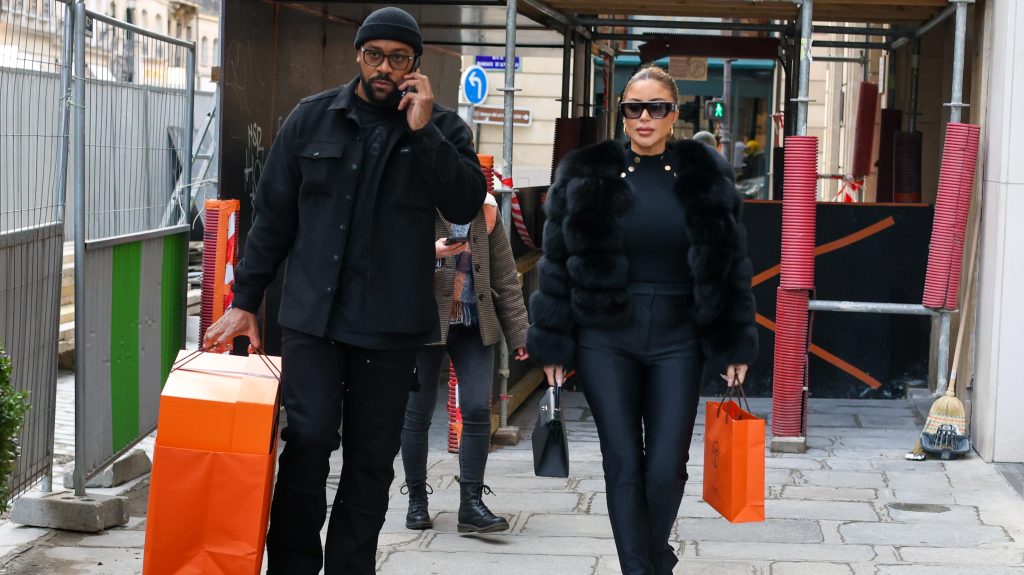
204,52
145,19
113,9
216,55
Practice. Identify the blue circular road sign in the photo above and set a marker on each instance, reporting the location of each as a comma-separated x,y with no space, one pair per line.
474,85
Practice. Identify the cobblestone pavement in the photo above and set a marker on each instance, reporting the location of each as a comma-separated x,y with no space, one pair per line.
850,505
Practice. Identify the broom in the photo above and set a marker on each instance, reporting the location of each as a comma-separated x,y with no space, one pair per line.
948,409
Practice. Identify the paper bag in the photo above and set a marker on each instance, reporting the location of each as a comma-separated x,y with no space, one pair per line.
213,467
734,462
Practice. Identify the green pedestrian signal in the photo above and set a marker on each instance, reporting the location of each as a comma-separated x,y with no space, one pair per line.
714,110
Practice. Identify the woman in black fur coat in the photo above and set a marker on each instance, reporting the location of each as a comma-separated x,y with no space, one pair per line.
645,282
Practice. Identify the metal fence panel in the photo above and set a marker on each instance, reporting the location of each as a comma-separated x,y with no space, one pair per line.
34,60
132,132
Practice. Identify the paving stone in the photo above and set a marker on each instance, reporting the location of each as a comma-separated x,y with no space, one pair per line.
944,570
894,421
903,512
691,566
13,535
811,568
554,525
962,556
116,538
842,478
522,544
437,563
906,480
830,420
98,561
828,493
770,531
784,551
775,462
923,535
810,509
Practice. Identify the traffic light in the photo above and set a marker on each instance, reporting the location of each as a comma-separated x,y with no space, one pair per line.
714,110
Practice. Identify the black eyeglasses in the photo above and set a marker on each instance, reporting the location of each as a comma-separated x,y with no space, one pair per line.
375,58
657,110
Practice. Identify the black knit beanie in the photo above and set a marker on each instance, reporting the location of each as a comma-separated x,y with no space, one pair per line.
391,24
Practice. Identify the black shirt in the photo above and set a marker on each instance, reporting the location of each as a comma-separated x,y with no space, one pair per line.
348,322
656,243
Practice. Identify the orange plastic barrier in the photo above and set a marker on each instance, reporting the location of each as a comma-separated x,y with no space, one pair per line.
213,467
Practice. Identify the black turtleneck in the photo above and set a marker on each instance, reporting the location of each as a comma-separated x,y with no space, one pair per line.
655,233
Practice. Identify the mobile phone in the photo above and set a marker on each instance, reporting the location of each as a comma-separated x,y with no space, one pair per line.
458,235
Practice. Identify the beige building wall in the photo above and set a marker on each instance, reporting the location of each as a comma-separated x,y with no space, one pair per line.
540,82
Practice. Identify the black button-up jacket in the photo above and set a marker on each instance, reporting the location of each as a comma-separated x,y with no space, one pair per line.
304,200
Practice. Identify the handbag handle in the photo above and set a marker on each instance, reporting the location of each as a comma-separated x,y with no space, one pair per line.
558,398
730,393
180,364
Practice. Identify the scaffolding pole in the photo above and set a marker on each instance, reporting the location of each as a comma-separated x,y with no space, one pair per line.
803,91
506,204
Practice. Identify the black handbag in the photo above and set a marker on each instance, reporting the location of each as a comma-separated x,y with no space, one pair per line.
550,444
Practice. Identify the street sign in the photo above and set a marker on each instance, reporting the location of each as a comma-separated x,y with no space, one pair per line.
474,85
688,69
495,62
496,116
714,110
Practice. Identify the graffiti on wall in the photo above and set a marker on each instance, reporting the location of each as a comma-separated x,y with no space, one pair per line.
254,156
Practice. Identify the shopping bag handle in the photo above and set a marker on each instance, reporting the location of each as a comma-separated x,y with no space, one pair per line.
730,393
180,364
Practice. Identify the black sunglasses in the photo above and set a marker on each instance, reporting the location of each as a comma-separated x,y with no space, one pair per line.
656,110
398,61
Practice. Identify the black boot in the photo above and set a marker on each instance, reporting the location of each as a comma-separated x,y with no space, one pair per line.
474,516
418,516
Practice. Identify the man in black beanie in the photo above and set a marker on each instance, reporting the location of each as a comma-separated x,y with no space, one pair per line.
348,195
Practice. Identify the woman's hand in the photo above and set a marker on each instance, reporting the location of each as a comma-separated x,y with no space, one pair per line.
555,375
442,251
735,374
522,354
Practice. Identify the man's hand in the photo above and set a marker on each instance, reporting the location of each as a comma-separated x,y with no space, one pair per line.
442,251
233,323
418,104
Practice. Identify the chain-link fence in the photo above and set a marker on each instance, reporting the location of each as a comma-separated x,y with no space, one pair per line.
125,95
132,129
34,80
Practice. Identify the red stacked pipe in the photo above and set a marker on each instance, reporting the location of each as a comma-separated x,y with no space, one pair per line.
864,129
454,434
956,180
800,184
791,335
210,264
790,369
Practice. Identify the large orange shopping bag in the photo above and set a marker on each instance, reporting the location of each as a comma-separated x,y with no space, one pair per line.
734,461
213,466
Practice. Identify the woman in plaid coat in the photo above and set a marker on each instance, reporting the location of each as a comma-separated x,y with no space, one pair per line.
478,296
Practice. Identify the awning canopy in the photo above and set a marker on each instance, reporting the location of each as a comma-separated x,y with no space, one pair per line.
902,12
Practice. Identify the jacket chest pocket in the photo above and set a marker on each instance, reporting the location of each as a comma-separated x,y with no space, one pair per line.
321,165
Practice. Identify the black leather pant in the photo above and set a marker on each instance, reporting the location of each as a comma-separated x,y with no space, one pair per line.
642,384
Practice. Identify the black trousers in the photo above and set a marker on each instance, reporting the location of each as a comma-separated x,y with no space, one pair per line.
327,386
642,383
474,366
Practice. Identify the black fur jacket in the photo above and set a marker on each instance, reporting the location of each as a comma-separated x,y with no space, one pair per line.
583,274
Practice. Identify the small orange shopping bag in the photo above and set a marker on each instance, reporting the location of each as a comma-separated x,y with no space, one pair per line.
734,461
213,466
